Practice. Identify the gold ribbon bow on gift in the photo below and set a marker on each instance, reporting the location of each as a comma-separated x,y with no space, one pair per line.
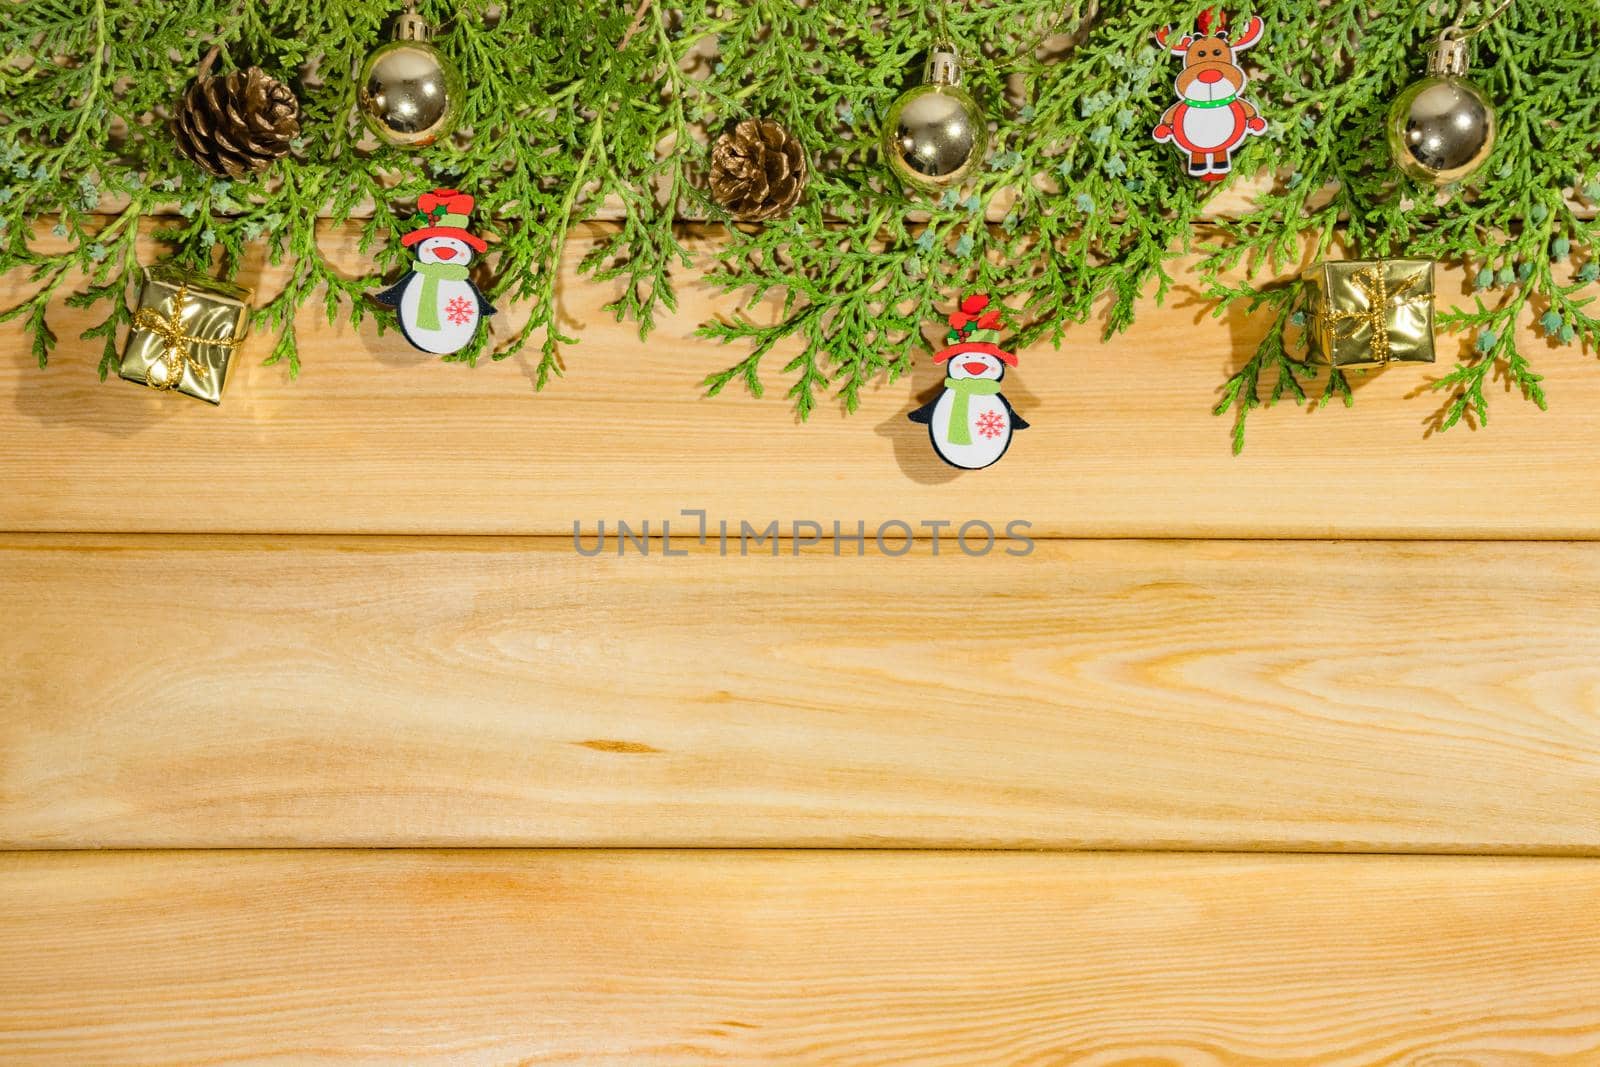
1374,281
176,352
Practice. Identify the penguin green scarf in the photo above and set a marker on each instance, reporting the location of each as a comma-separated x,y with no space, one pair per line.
960,431
428,299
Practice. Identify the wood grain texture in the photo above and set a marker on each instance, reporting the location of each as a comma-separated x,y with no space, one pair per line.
799,958
376,438
223,691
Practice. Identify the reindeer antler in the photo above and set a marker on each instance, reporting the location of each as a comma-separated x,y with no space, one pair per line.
1250,35
1176,49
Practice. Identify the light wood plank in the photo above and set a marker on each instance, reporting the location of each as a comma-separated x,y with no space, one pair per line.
170,691
375,438
792,959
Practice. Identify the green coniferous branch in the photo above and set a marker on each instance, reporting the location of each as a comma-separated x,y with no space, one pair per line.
1076,213
1508,224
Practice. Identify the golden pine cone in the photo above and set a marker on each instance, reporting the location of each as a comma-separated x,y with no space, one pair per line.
758,170
237,124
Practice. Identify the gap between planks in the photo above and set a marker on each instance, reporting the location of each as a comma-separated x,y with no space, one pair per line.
787,548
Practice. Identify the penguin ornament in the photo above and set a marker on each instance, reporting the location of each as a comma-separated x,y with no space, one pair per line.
971,422
438,306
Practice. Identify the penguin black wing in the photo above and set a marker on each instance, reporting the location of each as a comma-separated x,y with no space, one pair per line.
484,307
924,414
1017,421
390,297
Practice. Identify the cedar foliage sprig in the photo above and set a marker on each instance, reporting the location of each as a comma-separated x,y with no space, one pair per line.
1330,74
1075,214
558,118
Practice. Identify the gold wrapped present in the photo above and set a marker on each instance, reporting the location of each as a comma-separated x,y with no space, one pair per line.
184,333
1367,313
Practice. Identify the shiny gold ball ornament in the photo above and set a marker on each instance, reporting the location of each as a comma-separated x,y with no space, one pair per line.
935,134
409,92
1442,128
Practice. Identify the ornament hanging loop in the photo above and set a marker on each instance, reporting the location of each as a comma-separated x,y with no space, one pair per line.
1455,32
1450,57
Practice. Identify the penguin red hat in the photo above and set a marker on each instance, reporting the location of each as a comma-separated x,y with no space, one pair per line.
444,213
974,328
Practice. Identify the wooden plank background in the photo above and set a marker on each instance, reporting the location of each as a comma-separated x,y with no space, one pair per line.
1122,444
222,630
797,958
228,691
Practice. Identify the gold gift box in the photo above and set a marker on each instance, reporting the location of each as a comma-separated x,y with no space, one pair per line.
1368,313
189,325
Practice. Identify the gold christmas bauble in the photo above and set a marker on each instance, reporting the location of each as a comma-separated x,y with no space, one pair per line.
1442,128
409,92
935,133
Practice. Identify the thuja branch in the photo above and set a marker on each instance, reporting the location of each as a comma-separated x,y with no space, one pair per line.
574,106
1509,225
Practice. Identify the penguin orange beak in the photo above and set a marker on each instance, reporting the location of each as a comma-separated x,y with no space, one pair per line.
445,253
975,368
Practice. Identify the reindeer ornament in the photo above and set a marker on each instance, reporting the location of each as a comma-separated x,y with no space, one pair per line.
1210,120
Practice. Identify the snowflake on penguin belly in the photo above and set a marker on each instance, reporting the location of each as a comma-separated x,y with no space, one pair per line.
439,308
971,422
